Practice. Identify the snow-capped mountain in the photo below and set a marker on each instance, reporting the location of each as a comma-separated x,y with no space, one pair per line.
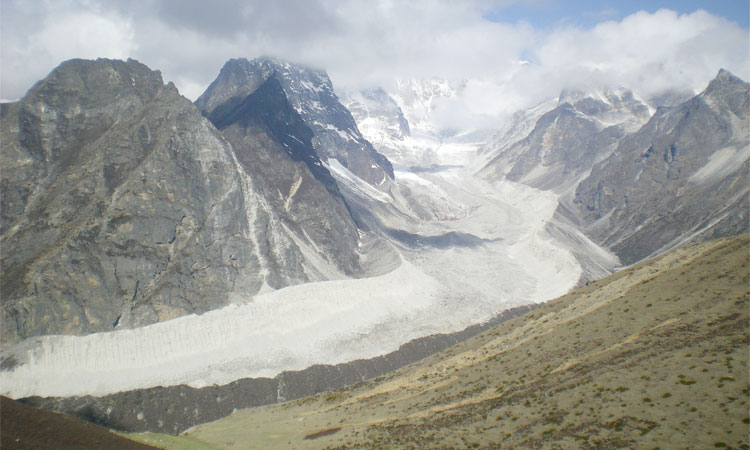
565,141
265,208
377,114
310,93
432,251
123,206
682,177
635,181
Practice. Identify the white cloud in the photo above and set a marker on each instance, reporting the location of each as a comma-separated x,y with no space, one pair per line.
366,43
61,35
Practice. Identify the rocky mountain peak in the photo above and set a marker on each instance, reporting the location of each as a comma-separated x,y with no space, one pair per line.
309,92
679,178
92,80
729,90
610,105
269,107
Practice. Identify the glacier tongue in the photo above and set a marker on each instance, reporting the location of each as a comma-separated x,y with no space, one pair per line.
472,250
436,288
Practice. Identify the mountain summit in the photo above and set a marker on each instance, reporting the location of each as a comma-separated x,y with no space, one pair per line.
310,93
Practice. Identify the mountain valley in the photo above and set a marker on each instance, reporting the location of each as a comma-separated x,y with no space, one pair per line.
655,353
277,239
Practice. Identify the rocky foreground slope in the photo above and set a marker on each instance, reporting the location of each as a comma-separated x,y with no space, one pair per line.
653,356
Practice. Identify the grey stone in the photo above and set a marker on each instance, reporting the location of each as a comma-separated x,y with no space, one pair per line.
657,190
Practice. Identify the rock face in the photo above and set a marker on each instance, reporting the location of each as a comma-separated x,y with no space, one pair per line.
123,206
636,184
567,140
274,147
310,93
681,177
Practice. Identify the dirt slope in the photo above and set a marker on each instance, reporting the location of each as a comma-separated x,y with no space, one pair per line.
23,427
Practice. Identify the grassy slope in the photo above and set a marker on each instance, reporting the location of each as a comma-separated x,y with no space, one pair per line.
653,356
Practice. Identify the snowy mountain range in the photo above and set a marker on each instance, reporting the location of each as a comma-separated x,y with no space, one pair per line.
275,225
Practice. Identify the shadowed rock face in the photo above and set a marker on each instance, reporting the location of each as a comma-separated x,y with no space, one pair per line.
310,93
681,177
123,206
274,146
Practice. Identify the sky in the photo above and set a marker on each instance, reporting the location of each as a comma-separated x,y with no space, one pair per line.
518,52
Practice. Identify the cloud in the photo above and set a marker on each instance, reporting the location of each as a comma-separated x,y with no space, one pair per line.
371,43
31,48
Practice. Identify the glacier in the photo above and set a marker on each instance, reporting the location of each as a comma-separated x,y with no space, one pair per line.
487,248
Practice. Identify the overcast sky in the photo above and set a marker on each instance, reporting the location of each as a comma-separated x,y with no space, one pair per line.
523,52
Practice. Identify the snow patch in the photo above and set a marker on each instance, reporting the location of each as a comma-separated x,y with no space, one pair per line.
721,164
292,190
344,175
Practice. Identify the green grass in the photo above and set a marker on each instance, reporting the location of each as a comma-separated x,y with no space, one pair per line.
169,442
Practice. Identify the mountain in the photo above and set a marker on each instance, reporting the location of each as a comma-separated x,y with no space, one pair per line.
566,141
381,121
634,183
123,206
683,176
274,147
375,105
310,93
654,355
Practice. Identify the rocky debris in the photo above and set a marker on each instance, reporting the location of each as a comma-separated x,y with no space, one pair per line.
310,93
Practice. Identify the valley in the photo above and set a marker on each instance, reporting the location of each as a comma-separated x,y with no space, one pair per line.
171,263
440,276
